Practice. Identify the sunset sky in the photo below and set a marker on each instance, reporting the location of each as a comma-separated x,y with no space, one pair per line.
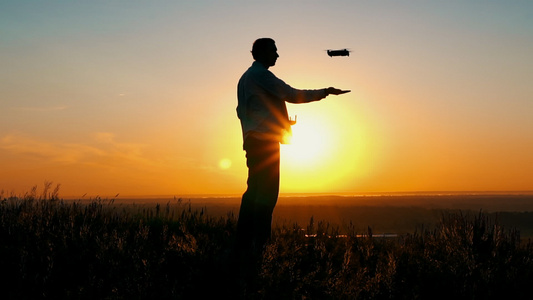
139,97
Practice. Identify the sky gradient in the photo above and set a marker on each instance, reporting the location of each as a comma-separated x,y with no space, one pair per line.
138,98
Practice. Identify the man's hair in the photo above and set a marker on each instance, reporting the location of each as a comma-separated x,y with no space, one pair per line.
260,45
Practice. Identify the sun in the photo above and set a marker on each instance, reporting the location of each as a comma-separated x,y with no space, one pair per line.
306,163
308,145
329,150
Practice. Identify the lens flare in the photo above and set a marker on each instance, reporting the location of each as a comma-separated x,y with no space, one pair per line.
224,164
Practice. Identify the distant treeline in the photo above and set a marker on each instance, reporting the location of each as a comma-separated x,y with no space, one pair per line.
382,218
522,221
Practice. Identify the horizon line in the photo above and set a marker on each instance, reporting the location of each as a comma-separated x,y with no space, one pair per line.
300,194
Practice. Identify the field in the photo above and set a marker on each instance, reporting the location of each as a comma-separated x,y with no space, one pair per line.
181,249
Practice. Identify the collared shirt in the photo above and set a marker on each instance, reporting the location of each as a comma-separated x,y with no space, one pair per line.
261,103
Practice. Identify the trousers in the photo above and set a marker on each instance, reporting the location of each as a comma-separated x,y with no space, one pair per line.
259,199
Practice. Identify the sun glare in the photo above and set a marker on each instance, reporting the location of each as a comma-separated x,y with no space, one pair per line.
308,144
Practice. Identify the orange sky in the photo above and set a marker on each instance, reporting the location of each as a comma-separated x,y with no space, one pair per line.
137,98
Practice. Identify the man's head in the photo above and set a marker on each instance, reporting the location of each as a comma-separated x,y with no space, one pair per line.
264,51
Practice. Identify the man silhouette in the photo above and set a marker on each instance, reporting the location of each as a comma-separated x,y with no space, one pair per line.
264,121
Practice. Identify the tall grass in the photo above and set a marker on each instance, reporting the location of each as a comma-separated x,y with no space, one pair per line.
56,249
99,250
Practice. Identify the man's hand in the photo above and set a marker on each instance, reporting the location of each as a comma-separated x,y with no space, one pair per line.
334,91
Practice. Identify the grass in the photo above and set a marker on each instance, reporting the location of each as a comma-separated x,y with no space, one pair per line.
99,250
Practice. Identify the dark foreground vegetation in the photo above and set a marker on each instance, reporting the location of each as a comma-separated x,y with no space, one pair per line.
56,249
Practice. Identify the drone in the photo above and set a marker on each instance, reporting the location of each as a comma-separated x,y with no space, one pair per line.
343,52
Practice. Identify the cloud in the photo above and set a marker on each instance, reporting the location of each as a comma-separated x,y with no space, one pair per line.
100,149
29,148
42,109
